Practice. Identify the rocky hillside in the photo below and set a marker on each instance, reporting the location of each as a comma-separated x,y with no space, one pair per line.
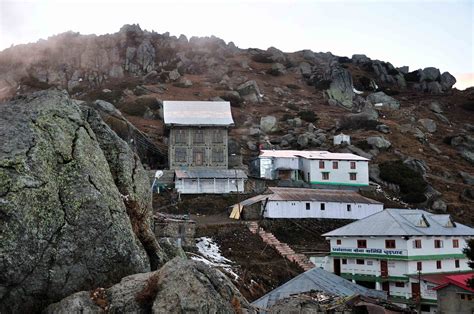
417,129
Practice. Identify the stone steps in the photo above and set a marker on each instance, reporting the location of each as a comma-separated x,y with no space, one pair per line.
282,248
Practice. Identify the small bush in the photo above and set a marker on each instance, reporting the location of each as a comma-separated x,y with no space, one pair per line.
146,296
262,58
391,92
33,82
292,107
468,105
393,72
363,145
412,76
139,106
111,97
308,116
412,184
293,86
321,84
344,60
358,123
286,117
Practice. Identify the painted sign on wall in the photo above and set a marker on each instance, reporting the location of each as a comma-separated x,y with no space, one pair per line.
367,251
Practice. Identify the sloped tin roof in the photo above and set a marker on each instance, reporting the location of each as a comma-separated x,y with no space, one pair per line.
299,194
210,174
316,279
202,113
403,222
315,154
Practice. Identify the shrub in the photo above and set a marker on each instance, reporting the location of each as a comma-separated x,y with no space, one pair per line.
393,72
468,105
293,86
308,116
363,145
358,122
292,107
33,82
146,296
111,97
412,184
262,58
344,60
139,106
412,76
321,84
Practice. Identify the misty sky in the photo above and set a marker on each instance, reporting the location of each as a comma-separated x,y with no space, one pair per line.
414,33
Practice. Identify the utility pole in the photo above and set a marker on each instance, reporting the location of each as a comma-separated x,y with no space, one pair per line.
418,305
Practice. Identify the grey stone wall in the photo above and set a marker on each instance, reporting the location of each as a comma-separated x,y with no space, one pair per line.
191,148
450,301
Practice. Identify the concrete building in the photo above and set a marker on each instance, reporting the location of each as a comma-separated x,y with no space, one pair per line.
390,250
198,133
210,181
319,168
310,203
342,138
454,296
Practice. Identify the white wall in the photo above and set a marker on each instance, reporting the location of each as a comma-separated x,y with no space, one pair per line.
211,186
268,165
297,209
340,176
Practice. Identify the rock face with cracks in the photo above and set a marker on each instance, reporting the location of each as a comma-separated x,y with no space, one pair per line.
180,286
74,203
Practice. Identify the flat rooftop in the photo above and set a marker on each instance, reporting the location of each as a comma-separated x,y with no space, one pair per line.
197,113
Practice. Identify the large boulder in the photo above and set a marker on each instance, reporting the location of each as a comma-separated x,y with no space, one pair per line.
447,81
430,74
428,124
383,100
378,142
268,124
180,286
250,91
67,201
341,87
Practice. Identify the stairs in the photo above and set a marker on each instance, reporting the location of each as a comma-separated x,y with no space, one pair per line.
282,248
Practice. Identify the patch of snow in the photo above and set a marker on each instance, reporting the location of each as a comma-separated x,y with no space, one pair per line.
358,92
379,104
211,255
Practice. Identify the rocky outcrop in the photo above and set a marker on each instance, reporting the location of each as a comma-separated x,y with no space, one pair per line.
249,91
268,124
384,101
150,154
340,89
179,286
65,190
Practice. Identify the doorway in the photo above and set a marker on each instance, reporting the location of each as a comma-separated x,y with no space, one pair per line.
337,266
383,269
415,290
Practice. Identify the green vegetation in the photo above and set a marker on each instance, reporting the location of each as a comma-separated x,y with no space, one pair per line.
308,116
412,185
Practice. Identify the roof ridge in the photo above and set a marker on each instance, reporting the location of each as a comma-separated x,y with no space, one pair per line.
408,222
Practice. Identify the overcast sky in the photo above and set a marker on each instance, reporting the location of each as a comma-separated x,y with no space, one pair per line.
413,33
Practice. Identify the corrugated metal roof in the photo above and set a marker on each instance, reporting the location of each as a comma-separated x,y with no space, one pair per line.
320,195
210,173
403,222
319,155
316,279
197,113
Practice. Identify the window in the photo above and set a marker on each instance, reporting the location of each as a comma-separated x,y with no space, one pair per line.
455,243
417,244
198,136
180,137
325,175
400,284
438,264
370,263
323,206
438,244
360,262
349,207
353,176
389,244
217,136
308,206
362,244
353,164
217,155
456,263
419,266
335,165
321,165
344,261
198,156
338,242
180,154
